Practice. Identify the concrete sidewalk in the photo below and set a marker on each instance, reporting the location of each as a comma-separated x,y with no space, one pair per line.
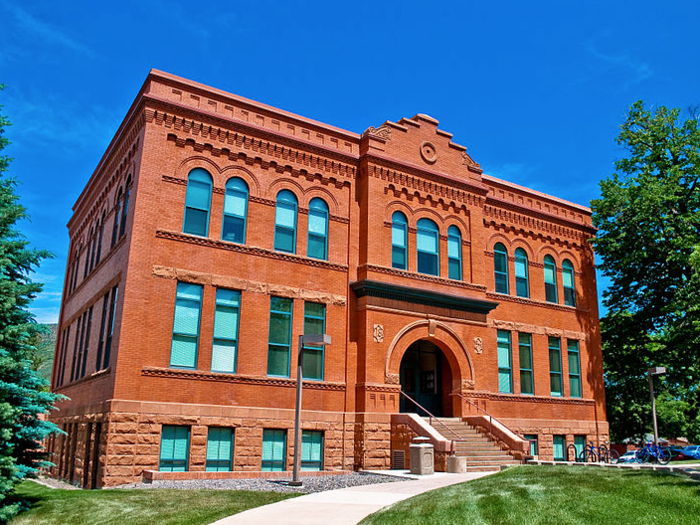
344,506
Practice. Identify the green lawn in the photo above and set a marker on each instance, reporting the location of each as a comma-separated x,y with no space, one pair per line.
554,495
134,507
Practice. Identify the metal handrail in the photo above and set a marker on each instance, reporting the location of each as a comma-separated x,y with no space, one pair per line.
431,416
489,415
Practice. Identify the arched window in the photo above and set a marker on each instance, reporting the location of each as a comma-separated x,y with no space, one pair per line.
399,236
125,209
550,279
90,245
427,245
197,203
568,281
286,222
115,224
99,238
522,285
500,267
235,211
317,241
454,253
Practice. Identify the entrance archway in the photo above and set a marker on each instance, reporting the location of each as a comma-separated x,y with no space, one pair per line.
426,377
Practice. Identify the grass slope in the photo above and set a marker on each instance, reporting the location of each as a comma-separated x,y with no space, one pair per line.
546,495
134,507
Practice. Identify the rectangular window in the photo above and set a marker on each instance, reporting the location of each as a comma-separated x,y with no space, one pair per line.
86,347
219,449
555,376
226,320
525,353
311,450
580,444
103,324
505,376
110,326
398,245
274,450
559,447
188,306
427,243
532,438
314,323
174,448
574,368
280,337
521,278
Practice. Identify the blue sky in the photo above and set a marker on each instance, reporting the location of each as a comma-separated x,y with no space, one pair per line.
535,90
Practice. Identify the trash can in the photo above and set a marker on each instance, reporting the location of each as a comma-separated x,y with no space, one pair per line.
422,456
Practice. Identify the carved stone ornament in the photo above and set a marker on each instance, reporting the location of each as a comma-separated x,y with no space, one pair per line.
378,333
429,152
382,132
467,384
392,379
478,345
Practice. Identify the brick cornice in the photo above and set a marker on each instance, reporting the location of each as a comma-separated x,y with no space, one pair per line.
199,375
251,250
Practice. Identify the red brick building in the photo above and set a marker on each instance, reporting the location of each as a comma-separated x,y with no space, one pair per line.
216,230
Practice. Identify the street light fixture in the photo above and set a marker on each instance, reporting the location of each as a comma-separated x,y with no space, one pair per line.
657,370
311,339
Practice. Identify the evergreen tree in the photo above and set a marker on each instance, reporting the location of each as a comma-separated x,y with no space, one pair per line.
23,392
649,239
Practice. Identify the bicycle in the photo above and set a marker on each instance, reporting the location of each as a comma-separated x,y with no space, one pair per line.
572,451
599,454
651,452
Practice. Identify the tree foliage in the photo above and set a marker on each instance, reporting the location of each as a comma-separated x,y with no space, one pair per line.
23,392
649,240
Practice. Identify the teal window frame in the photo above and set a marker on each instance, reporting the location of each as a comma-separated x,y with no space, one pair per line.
234,222
274,443
525,360
534,443
454,253
574,360
312,442
559,447
428,260
281,310
314,323
500,268
226,330
555,370
550,280
174,439
317,241
505,362
186,301
287,203
567,278
198,181
220,443
579,444
522,274
399,241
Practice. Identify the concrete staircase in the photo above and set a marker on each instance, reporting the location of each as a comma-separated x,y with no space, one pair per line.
482,454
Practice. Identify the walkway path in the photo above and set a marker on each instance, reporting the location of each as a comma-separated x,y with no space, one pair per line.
344,506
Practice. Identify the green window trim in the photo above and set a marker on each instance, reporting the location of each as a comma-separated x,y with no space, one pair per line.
555,372
286,222
399,240
224,352
311,450
534,442
280,337
197,203
274,450
186,324
522,276
174,448
314,323
505,362
550,279
568,281
454,253
500,268
427,247
317,240
559,448
574,360
527,384
233,226
579,444
220,442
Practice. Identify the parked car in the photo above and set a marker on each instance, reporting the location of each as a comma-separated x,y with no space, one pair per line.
693,451
679,453
628,457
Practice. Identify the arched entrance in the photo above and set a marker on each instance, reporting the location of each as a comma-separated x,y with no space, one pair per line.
426,377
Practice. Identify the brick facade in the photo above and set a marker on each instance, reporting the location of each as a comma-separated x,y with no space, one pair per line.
116,325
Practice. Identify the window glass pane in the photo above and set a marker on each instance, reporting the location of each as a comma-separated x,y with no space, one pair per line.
398,235
526,382
427,241
568,278
555,383
427,263
281,304
520,266
233,229
174,450
312,367
504,381
554,360
280,326
278,360
398,258
286,215
183,352
284,240
273,453
195,222
574,364
235,203
219,449
532,438
223,356
198,194
311,450
559,442
318,222
549,272
521,287
455,269
226,322
316,247
453,248
186,317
